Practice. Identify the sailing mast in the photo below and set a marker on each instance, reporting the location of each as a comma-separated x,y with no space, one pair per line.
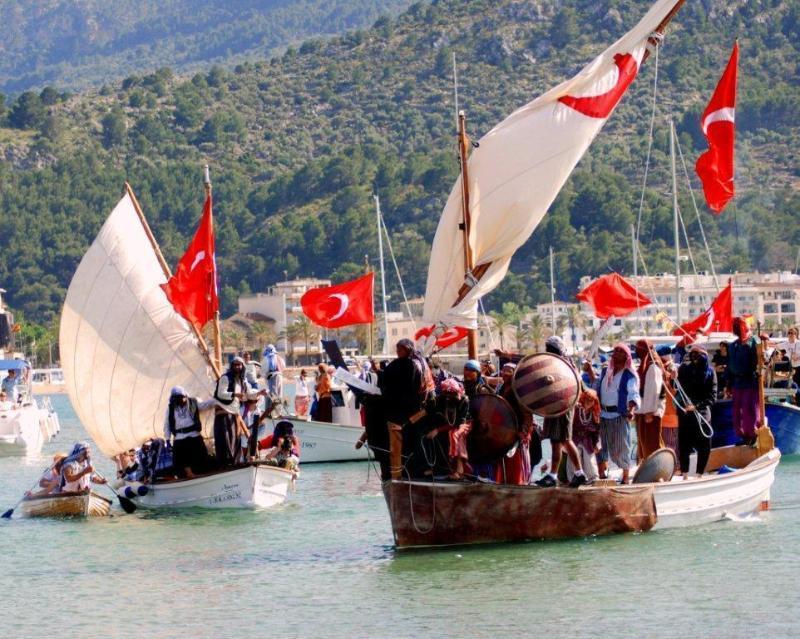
463,141
678,315
201,342
385,346
552,293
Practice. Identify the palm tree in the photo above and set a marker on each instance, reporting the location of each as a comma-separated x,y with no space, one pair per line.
501,323
534,332
263,334
308,331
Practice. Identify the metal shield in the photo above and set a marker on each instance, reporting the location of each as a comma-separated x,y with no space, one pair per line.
546,384
658,467
494,429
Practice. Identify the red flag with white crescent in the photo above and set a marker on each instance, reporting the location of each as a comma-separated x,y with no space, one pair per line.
341,304
613,295
715,166
718,318
448,338
192,290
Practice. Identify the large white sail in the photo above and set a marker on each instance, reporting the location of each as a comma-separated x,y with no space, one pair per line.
518,170
122,345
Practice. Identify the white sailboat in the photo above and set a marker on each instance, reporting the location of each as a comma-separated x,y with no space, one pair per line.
123,347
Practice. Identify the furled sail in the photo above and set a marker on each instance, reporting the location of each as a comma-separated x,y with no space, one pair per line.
123,347
519,168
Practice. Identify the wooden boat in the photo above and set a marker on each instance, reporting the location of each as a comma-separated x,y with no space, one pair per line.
252,486
426,513
86,504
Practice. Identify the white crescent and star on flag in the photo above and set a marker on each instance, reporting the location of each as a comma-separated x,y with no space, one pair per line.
344,302
726,114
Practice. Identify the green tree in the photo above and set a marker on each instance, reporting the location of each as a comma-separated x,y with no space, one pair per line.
114,128
28,111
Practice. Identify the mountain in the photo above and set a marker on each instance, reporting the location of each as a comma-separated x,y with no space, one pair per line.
299,142
73,45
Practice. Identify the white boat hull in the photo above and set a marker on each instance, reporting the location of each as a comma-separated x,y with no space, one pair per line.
257,486
711,498
324,442
21,431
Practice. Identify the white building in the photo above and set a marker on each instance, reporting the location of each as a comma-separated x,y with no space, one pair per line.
281,303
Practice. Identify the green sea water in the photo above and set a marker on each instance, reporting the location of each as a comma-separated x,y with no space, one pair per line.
322,565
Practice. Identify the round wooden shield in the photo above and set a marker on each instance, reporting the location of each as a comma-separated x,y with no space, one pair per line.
659,466
546,384
494,429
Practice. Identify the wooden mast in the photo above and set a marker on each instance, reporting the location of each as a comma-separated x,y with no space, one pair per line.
463,142
215,321
201,342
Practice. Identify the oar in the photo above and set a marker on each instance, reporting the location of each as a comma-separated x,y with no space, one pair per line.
126,504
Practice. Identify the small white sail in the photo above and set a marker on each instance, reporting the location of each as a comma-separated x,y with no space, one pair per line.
518,170
123,346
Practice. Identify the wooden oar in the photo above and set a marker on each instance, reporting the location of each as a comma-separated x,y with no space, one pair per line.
126,504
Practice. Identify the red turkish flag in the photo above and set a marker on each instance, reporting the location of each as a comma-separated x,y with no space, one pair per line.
340,305
448,338
715,166
613,295
192,290
718,318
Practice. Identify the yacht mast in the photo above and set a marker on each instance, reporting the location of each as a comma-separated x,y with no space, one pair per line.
385,348
678,316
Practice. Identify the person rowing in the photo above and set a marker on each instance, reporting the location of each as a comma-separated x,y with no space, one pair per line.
77,472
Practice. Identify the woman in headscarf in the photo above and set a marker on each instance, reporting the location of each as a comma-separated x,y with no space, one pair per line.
272,369
474,382
669,421
743,381
77,471
586,433
698,381
651,387
618,390
450,417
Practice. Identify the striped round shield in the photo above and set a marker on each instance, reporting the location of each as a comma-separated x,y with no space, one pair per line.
546,384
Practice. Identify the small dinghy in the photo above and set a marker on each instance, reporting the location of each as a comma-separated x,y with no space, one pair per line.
87,504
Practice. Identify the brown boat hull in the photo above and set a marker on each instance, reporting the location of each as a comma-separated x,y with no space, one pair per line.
455,513
65,505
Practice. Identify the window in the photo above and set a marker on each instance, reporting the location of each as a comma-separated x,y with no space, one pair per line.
787,308
770,308
394,332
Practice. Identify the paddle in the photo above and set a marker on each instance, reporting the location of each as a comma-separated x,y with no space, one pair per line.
126,504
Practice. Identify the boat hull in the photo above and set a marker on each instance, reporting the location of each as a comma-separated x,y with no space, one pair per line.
783,419
88,504
711,498
324,442
254,486
21,431
456,513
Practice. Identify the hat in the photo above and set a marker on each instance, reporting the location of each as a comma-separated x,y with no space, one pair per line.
509,366
237,359
472,365
554,341
269,349
177,391
58,457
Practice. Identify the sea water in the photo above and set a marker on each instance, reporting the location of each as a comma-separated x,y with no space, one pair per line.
323,565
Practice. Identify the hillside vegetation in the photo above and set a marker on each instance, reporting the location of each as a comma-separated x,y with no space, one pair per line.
298,144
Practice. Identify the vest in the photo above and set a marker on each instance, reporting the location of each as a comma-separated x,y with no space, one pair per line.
194,428
622,392
231,386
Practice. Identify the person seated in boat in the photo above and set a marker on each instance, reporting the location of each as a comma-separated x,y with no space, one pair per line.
50,481
559,431
517,468
272,367
697,394
9,386
720,363
232,389
282,446
77,472
618,390
5,404
184,430
450,417
586,433
128,466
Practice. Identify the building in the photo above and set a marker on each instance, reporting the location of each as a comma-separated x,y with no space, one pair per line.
772,298
281,303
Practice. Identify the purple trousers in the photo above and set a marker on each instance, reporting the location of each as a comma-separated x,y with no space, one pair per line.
745,411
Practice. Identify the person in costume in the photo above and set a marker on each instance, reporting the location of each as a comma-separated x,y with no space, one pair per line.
183,429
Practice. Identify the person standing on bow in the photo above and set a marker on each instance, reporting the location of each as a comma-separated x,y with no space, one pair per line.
474,382
182,428
743,381
324,411
272,367
232,389
618,389
651,389
669,421
698,381
559,431
77,472
586,433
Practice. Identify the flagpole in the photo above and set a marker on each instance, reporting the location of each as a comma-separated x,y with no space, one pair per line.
385,346
215,320
201,342
472,337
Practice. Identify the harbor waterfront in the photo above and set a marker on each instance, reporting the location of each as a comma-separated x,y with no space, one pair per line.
323,565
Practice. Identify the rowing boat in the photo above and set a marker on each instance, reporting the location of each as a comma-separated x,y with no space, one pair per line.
83,504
